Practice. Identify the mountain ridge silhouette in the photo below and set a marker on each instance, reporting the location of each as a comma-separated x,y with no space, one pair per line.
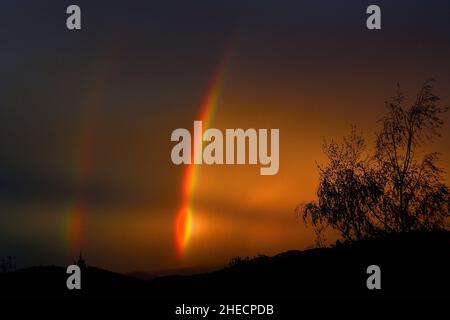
413,265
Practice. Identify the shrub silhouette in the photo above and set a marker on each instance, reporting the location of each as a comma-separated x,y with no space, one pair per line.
397,188
81,262
7,264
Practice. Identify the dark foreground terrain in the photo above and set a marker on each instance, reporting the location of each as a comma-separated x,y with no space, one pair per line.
413,266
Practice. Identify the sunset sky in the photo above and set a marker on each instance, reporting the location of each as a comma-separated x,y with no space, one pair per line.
86,118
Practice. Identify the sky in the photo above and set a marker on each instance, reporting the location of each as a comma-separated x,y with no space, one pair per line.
86,118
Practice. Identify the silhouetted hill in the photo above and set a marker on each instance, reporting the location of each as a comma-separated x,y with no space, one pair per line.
413,265
50,282
144,275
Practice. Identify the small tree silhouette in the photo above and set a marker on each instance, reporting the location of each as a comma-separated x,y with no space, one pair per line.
81,262
396,189
7,264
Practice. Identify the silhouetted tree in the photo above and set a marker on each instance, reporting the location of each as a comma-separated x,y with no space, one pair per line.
398,188
81,262
7,264
247,261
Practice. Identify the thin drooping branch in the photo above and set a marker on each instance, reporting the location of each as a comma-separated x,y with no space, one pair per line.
362,194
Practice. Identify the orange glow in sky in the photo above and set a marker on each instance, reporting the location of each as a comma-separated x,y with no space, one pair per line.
183,220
